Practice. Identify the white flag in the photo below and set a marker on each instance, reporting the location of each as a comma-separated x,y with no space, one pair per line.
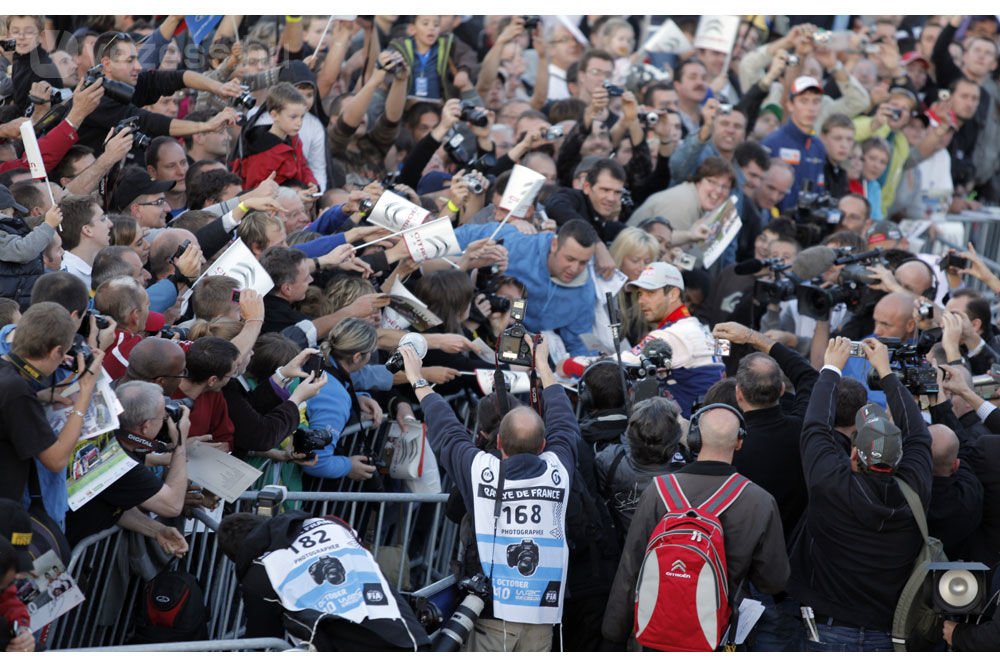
31,150
432,240
521,190
239,263
717,33
517,380
668,38
397,213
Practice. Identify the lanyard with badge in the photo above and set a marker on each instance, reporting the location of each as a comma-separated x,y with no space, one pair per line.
421,82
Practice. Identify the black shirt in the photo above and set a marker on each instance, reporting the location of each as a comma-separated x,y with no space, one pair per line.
130,490
24,431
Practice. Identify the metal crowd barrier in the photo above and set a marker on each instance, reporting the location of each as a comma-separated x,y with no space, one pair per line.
409,534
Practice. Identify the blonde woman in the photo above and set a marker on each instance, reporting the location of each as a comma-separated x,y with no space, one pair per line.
632,250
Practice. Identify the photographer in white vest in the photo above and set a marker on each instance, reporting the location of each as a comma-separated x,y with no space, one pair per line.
521,539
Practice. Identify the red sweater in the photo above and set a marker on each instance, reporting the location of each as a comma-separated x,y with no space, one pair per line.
210,416
52,145
267,153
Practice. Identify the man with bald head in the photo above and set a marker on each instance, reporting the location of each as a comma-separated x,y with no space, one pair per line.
157,360
162,250
893,318
917,277
956,495
521,538
755,545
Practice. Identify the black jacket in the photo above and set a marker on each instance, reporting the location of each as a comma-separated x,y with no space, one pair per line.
858,540
261,419
956,510
28,68
770,453
567,204
983,456
151,86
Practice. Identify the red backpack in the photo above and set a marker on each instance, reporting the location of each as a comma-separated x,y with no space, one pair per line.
682,594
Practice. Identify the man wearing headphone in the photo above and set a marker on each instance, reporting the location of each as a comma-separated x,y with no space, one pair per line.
755,544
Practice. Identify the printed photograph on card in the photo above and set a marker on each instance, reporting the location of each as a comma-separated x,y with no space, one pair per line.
50,593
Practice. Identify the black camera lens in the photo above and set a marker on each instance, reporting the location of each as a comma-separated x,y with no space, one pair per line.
531,22
244,100
473,115
498,304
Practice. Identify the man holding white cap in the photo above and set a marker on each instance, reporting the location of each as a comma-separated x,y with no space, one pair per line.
693,365
795,142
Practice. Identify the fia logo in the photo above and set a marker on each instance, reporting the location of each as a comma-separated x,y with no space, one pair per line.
551,597
487,475
374,596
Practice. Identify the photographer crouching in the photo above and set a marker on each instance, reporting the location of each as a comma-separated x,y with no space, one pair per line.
518,502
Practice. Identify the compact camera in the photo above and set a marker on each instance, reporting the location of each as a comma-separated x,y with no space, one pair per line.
613,90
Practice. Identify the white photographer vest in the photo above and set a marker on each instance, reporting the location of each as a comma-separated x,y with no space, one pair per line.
326,569
527,562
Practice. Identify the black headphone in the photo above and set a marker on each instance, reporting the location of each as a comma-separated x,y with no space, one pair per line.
694,430
931,292
583,391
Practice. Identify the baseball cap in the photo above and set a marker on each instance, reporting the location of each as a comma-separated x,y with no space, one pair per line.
804,83
15,527
915,57
154,322
7,201
134,183
658,275
883,230
775,109
879,442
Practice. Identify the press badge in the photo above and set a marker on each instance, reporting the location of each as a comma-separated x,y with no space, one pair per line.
420,86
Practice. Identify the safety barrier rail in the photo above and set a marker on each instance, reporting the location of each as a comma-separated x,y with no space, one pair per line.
408,533
227,645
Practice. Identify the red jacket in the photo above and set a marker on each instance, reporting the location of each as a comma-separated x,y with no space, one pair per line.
52,145
210,416
266,153
12,609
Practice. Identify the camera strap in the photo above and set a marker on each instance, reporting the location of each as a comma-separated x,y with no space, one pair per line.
496,514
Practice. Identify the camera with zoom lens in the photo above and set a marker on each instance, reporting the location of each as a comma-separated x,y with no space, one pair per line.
455,631
307,441
524,557
473,115
116,90
907,363
8,44
454,147
139,139
613,90
244,100
170,331
498,304
778,287
100,321
514,349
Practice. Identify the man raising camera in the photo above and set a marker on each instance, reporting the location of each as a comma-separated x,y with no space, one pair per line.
858,538
127,88
521,539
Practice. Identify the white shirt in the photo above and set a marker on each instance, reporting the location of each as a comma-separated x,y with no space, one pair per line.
558,90
75,266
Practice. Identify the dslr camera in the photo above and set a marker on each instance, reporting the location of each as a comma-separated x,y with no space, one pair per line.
116,90
78,347
100,321
523,556
613,90
907,362
531,22
244,100
174,408
514,349
139,139
307,441
473,115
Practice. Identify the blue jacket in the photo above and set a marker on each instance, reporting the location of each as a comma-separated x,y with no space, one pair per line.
328,225
567,310
858,369
805,152
330,408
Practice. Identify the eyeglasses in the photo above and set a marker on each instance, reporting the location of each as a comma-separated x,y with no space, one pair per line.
183,376
603,73
156,202
719,185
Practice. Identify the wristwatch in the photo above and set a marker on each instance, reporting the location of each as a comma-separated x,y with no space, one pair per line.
421,383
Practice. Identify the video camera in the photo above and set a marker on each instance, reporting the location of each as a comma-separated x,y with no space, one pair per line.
909,364
779,287
513,344
815,214
817,302
655,360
